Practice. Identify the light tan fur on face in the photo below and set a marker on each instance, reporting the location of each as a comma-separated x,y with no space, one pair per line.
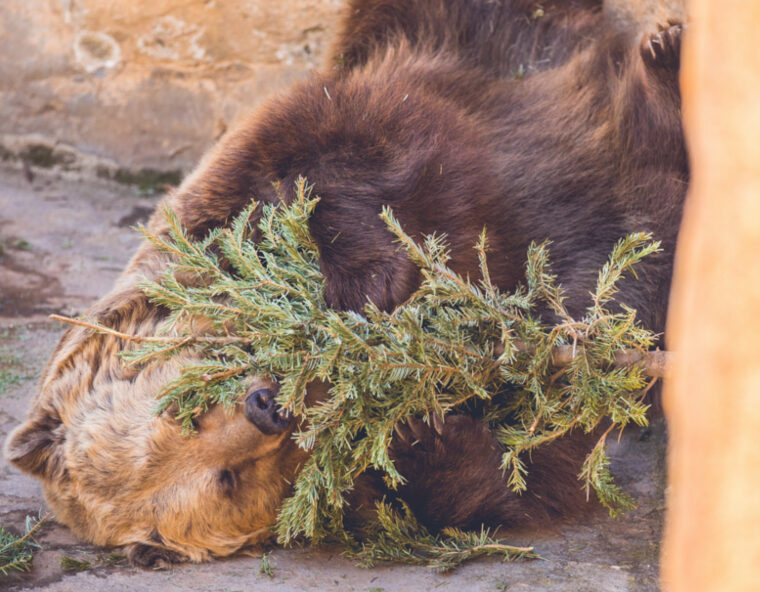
116,473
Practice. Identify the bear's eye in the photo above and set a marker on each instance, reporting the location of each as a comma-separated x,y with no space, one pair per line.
228,481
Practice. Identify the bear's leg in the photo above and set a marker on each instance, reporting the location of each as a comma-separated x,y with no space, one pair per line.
455,479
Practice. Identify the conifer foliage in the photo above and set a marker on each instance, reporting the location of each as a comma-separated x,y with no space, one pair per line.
456,344
16,551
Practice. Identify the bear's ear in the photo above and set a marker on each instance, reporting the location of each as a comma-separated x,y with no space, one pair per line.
36,446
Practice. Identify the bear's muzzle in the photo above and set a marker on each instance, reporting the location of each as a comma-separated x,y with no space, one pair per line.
262,410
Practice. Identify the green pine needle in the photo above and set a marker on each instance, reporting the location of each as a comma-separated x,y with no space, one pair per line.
72,564
88,561
265,567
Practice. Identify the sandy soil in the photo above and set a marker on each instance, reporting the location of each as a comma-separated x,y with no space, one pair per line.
64,242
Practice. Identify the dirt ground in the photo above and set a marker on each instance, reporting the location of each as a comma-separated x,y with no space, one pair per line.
64,241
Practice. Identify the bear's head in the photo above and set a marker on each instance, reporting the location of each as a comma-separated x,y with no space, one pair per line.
119,475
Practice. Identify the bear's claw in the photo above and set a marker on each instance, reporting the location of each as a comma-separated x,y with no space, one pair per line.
663,49
154,557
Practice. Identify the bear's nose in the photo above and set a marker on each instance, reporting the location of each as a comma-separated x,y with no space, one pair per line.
263,411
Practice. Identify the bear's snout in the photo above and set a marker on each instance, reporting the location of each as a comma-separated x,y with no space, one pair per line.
262,410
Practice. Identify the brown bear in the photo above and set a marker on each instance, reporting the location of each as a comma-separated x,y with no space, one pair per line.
535,121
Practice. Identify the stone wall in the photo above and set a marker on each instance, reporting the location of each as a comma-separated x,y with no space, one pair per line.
146,83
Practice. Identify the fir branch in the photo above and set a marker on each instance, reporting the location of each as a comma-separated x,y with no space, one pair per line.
16,551
655,363
398,536
72,564
188,339
87,561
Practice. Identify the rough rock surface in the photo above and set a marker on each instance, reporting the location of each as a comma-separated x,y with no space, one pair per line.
149,83
64,242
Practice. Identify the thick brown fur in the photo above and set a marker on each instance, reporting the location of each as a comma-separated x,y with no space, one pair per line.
482,34
427,111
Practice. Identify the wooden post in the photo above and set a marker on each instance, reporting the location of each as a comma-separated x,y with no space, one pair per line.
712,535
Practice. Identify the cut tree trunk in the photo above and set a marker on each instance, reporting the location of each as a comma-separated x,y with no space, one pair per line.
712,398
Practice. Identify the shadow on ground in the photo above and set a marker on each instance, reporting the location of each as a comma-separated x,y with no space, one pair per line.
63,244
